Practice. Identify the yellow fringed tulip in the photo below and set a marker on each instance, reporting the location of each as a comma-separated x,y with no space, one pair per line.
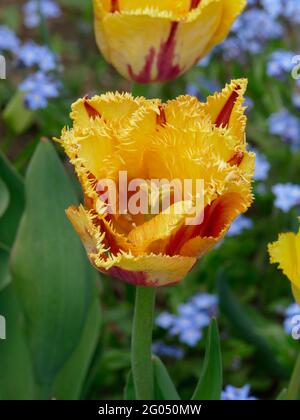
157,40
181,139
286,252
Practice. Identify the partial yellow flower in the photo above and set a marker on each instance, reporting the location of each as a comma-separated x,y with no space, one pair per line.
182,139
286,252
157,40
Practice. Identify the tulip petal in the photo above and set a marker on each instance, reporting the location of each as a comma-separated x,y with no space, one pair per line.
151,235
195,240
226,108
151,270
286,252
231,10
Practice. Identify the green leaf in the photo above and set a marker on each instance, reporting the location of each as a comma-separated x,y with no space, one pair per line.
163,385
70,381
293,392
16,378
5,277
4,197
10,219
16,116
282,396
129,391
209,387
49,267
245,328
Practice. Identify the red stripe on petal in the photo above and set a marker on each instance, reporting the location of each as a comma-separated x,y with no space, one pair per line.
224,116
165,67
161,118
138,278
166,70
145,74
92,112
236,159
194,4
114,6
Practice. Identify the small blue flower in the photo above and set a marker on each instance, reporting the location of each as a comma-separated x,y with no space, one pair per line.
291,11
274,8
237,394
290,321
240,224
286,196
193,316
8,40
161,349
262,167
192,90
31,54
250,33
205,302
296,99
293,310
190,336
181,324
202,320
187,309
280,64
165,320
38,88
34,9
287,126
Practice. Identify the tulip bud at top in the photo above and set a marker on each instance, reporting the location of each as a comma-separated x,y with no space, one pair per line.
158,40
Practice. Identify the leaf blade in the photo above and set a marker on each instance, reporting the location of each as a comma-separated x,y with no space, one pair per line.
209,386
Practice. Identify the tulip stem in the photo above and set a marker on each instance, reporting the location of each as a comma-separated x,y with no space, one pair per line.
142,368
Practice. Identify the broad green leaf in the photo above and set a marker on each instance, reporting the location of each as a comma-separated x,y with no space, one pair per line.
49,267
293,392
282,396
163,385
70,381
16,378
5,277
244,327
211,379
10,219
16,116
129,391
4,197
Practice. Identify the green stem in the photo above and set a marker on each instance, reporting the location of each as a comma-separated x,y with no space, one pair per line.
293,393
142,368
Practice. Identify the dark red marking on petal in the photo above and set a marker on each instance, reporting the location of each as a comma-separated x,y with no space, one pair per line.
165,67
145,74
217,215
236,159
166,70
92,112
114,6
194,4
224,116
137,278
161,118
